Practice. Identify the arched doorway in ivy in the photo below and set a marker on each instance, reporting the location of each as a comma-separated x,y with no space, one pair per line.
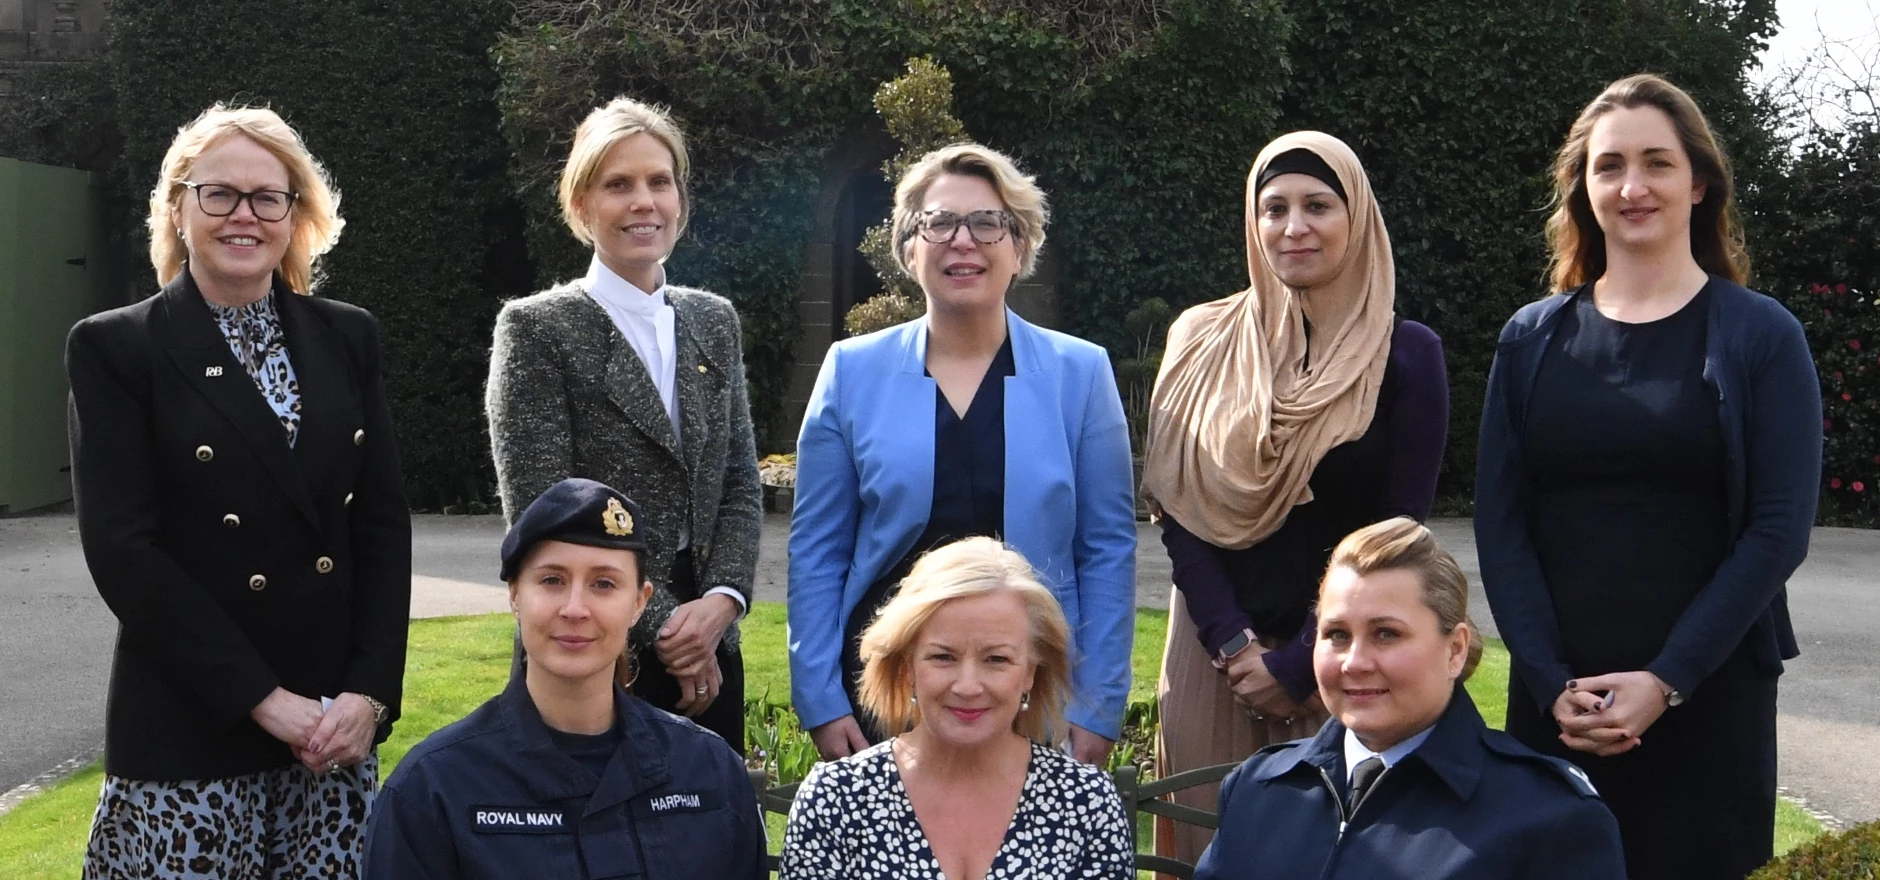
865,201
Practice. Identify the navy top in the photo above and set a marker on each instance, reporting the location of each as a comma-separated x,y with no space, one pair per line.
1763,384
969,460
495,795
1626,451
1470,803
1389,471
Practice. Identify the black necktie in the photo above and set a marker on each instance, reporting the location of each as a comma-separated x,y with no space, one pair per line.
1361,778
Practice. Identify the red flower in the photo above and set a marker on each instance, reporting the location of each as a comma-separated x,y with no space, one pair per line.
1834,483
1854,344
1827,424
1858,487
1837,375
1840,288
1876,459
1846,396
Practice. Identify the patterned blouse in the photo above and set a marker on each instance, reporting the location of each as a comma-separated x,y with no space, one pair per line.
852,820
254,334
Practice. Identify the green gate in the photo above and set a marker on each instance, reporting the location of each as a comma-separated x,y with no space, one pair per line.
52,271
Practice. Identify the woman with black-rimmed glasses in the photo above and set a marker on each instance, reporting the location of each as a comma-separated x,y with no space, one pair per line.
969,421
242,512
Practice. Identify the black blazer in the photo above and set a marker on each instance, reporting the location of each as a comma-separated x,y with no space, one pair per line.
234,563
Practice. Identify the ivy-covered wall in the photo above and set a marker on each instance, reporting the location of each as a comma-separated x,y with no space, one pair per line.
396,100
1139,117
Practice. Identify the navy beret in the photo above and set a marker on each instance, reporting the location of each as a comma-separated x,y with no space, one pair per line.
576,511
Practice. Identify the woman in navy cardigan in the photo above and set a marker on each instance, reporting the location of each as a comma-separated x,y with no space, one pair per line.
969,421
1650,456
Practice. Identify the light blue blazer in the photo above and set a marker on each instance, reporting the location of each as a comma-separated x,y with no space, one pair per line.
864,489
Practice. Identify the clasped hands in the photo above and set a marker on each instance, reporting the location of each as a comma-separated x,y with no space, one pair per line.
1257,691
688,646
1607,715
339,736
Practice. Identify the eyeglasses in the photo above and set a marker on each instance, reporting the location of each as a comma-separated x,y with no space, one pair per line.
986,227
217,200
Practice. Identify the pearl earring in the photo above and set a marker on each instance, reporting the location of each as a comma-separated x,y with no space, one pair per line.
1024,702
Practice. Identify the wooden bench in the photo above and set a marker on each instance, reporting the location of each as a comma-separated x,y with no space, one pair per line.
1138,797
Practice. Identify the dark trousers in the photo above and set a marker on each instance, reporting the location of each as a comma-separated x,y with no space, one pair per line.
652,683
852,629
1696,799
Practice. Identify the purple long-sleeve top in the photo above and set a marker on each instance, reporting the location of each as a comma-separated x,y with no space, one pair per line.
1271,586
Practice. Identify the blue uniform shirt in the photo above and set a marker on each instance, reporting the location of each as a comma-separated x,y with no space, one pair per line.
491,796
1470,803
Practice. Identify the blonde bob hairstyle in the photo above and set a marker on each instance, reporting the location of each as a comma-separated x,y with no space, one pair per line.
1574,238
316,204
610,124
1403,544
962,570
1017,190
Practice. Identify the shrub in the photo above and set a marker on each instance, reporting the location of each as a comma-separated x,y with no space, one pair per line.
395,100
882,311
1853,854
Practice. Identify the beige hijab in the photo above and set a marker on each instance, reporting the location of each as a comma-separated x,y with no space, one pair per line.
1237,422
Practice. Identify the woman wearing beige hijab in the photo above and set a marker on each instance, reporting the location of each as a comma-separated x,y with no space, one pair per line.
1286,416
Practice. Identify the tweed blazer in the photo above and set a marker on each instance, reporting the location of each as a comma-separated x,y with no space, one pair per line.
569,397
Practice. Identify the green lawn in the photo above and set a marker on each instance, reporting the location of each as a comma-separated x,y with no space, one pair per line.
457,663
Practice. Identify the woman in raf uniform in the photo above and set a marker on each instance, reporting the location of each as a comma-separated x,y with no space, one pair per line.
241,510
1405,780
565,774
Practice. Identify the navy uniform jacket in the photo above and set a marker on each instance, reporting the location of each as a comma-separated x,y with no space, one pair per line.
491,796
1469,804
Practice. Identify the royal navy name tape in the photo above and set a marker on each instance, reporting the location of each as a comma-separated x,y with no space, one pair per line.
518,820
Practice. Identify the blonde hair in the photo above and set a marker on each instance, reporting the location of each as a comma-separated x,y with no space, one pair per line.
1574,237
317,223
962,570
1017,190
610,124
1403,544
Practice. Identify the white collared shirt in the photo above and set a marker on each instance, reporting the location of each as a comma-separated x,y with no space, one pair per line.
1356,752
647,320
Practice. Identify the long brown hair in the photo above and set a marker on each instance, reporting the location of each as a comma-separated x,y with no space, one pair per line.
1573,235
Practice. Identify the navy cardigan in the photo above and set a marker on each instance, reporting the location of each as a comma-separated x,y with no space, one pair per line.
1757,363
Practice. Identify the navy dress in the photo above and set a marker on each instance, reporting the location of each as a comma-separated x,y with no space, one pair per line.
968,501
1630,521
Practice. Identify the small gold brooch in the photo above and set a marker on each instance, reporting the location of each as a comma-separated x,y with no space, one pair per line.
616,519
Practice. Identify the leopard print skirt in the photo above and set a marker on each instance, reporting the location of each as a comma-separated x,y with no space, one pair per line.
285,823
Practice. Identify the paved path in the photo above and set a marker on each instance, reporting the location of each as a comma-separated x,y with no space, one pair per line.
56,634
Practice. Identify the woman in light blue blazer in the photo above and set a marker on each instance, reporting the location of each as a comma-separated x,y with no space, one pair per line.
968,421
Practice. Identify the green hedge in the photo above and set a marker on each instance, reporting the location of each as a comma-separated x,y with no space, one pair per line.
1140,120
396,100
1817,252
1139,117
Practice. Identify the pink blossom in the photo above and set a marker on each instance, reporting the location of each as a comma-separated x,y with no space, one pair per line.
1840,288
1846,396
1834,483
1854,344
1858,487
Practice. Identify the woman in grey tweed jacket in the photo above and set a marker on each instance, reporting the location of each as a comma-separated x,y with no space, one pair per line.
622,378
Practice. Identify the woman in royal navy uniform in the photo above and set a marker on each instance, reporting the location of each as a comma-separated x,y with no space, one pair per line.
565,774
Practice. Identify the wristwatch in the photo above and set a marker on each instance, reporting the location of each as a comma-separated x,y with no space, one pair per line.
1673,697
379,711
1240,642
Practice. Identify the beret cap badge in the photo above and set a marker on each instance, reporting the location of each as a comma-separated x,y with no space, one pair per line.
616,520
